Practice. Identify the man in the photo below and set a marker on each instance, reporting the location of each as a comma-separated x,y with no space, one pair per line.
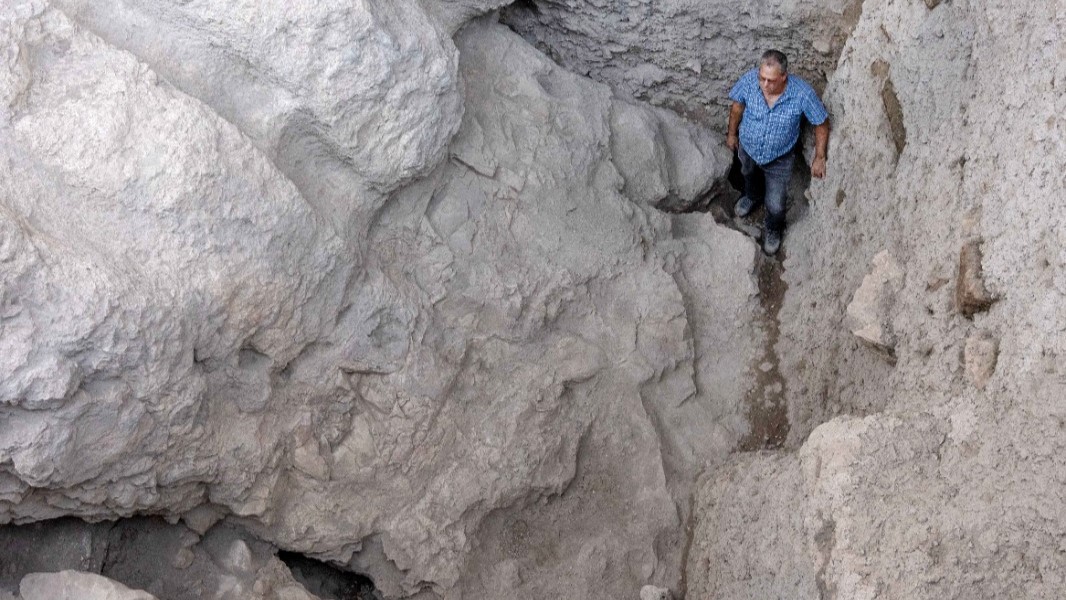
768,104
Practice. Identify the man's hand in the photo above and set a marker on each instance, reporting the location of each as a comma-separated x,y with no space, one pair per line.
736,112
818,168
821,142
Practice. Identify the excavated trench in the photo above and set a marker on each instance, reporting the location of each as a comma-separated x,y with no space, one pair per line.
766,400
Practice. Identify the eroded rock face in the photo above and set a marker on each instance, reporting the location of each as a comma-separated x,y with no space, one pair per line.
685,54
240,283
943,194
919,489
407,305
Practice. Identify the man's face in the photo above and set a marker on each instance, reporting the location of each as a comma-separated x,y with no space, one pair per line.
772,80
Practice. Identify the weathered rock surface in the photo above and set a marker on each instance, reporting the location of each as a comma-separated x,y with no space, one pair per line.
240,283
685,54
663,159
889,506
286,75
944,192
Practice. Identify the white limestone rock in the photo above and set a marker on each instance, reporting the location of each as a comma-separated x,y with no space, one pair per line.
545,335
157,268
650,592
369,84
75,585
296,332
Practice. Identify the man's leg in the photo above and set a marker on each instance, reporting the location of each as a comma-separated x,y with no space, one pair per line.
753,185
777,173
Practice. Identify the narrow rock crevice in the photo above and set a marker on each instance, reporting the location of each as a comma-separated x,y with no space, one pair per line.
766,400
327,581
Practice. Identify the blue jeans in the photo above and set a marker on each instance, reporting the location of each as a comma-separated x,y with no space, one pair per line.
776,175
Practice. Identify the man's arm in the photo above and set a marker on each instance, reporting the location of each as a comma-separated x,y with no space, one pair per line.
732,141
821,144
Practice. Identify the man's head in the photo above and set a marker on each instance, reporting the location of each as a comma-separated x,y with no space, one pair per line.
773,72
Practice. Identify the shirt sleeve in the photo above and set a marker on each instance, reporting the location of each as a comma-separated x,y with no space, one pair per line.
813,109
739,93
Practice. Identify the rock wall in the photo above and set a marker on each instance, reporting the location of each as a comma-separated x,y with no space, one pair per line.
938,471
394,301
685,54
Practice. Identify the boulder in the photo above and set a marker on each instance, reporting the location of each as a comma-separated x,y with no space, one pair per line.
869,315
287,77
76,585
275,285
665,162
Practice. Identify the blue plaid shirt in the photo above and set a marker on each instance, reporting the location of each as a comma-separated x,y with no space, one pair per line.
767,133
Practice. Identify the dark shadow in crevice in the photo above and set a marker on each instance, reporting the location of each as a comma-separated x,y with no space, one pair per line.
525,5
328,582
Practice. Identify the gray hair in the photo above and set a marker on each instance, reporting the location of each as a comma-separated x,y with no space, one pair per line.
775,58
